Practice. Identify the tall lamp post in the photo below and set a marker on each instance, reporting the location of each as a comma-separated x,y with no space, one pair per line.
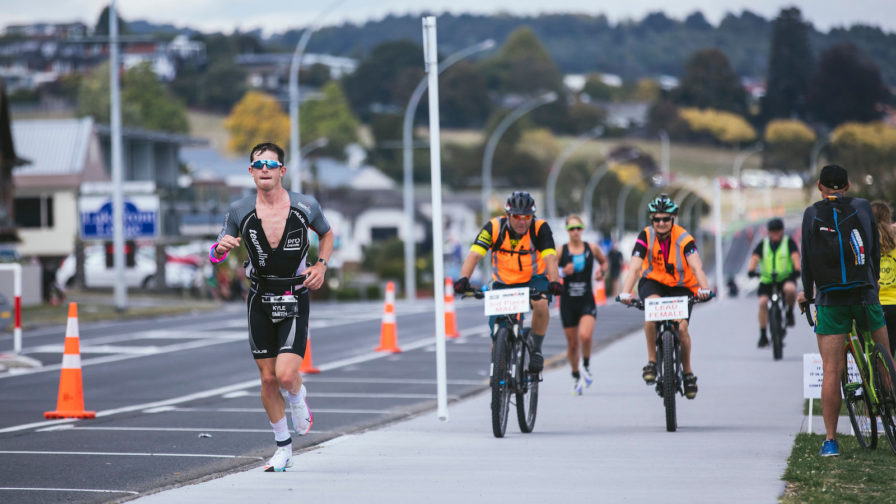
738,163
295,155
551,185
620,211
664,154
410,280
592,185
492,143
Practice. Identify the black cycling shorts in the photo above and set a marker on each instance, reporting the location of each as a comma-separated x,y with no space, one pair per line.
766,289
267,338
648,287
572,309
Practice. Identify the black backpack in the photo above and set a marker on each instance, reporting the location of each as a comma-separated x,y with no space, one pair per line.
839,250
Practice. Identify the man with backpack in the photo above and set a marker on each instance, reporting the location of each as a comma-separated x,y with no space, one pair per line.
841,253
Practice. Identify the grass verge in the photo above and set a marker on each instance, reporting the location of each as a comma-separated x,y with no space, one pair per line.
856,476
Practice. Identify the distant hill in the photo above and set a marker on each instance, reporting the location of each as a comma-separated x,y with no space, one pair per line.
578,43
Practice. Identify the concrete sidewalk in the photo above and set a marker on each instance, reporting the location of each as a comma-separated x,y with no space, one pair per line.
609,445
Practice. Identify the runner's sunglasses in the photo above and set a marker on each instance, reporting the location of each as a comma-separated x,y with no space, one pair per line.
266,163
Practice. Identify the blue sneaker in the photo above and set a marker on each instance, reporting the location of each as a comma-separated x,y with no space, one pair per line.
830,448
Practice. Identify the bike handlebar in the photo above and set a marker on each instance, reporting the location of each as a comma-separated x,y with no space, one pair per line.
805,308
692,300
480,293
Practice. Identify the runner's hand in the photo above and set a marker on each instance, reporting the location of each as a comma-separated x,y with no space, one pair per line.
226,244
555,288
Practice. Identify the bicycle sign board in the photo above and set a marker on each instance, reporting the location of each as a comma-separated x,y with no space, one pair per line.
668,308
504,301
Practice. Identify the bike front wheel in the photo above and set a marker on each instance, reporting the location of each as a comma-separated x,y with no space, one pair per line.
501,381
527,386
885,388
670,375
777,326
858,405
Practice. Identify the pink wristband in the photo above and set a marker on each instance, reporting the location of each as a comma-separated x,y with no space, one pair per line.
211,254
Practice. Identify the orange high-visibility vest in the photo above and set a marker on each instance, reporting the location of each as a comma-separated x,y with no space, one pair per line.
514,265
679,274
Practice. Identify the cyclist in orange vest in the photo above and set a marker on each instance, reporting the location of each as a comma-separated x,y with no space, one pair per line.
666,261
523,254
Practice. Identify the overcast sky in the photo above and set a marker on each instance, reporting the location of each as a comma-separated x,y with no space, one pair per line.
278,15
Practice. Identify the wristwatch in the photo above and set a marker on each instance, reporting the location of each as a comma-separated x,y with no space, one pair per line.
324,261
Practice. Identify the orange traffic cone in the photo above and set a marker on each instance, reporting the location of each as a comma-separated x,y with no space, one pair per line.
71,396
307,367
388,331
600,293
450,318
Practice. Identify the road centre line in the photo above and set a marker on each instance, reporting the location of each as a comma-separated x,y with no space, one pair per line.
95,490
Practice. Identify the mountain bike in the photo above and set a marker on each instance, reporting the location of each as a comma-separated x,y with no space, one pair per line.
872,391
776,323
669,378
509,374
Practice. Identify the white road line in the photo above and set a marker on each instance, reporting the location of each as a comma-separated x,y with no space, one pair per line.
400,381
69,490
127,454
261,410
255,382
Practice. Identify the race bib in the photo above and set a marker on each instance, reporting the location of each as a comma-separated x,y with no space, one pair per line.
504,301
280,307
668,308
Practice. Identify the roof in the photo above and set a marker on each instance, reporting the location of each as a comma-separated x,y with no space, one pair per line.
54,146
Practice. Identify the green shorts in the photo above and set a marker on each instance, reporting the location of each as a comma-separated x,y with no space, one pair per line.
838,319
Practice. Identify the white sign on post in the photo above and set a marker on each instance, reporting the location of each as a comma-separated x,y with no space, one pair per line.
503,301
665,308
813,374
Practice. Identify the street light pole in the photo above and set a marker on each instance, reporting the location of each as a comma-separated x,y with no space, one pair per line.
120,289
738,163
592,185
551,186
295,155
410,279
664,138
492,143
620,211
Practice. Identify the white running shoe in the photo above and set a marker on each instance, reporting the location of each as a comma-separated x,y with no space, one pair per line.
586,375
281,460
301,415
578,386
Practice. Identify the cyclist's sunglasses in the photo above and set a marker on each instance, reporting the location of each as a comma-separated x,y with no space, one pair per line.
661,219
266,163
521,217
575,228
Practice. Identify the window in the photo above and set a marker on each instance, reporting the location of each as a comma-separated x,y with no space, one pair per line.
34,212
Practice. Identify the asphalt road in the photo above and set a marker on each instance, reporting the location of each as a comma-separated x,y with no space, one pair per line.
177,399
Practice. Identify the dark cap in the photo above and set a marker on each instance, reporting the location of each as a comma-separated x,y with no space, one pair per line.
833,177
775,224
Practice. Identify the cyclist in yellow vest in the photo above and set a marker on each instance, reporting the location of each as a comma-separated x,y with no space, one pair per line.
523,254
780,257
666,263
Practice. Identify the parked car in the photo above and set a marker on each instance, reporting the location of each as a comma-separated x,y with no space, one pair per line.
6,313
180,271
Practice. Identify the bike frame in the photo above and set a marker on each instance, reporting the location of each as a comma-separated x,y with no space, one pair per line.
861,350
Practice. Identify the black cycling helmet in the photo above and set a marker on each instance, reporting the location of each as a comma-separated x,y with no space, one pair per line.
775,224
520,203
662,204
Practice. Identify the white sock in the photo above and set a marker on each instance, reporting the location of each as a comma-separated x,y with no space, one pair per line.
281,431
297,398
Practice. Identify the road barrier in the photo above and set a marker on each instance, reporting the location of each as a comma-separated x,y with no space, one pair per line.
388,330
70,403
307,366
450,314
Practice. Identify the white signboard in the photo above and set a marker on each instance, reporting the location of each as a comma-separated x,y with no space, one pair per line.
141,216
668,308
813,373
503,301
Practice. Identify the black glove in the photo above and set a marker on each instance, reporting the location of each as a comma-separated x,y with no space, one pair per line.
462,285
752,274
555,288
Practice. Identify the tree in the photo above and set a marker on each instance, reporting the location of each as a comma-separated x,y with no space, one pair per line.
788,144
790,67
372,84
524,66
710,82
145,103
463,96
257,117
868,151
722,126
846,87
102,24
222,85
330,117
